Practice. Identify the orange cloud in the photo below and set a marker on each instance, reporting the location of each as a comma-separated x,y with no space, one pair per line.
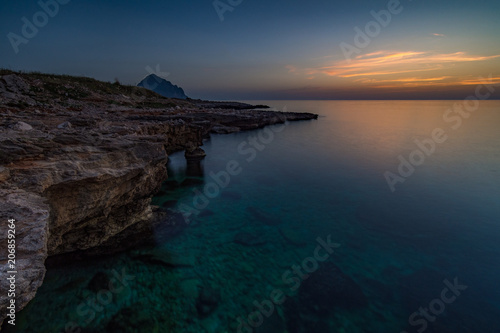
427,82
387,63
407,82
401,69
475,81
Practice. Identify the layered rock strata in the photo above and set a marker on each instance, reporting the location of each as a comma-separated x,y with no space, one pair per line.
81,159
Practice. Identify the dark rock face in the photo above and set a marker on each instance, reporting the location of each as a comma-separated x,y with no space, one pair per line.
328,288
162,87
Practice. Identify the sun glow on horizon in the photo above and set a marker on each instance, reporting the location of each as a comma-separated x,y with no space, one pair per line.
403,69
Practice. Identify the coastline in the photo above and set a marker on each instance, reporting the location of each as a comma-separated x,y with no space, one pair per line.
81,160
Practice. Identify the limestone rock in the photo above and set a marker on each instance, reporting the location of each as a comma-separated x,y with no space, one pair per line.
15,83
31,215
4,174
79,180
22,127
64,125
195,154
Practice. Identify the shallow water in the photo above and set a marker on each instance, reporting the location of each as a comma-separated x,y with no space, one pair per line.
398,251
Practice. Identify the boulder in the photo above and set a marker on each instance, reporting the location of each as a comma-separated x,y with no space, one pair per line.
64,125
195,154
22,127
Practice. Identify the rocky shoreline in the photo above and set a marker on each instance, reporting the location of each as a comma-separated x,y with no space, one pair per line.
81,159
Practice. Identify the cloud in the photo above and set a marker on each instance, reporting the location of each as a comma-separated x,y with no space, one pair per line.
495,80
390,63
438,35
406,82
442,81
384,69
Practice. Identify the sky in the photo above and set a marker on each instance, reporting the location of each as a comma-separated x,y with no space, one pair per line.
263,49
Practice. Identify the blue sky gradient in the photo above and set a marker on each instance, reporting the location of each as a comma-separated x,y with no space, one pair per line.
264,49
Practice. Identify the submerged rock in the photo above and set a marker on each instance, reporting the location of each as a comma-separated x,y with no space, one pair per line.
263,218
166,257
231,195
293,236
248,239
273,324
328,288
207,301
133,319
206,213
420,287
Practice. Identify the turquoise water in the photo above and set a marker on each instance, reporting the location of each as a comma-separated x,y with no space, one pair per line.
424,257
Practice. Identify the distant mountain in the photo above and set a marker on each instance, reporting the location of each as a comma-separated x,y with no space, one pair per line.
162,87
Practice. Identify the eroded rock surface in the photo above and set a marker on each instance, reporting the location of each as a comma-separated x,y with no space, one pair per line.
81,159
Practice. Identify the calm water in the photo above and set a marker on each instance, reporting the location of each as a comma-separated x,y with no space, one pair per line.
424,257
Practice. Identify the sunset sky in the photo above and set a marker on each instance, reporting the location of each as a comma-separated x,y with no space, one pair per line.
267,49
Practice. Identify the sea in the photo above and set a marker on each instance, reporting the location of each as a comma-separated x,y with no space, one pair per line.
379,217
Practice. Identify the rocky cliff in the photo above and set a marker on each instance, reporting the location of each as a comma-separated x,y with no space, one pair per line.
162,87
81,159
